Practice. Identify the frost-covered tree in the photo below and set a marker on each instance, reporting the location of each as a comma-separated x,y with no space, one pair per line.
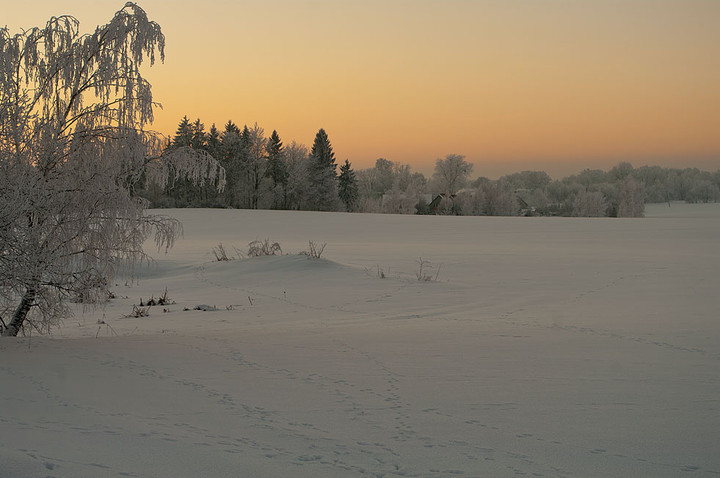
347,186
389,187
621,171
323,175
256,164
529,180
184,192
499,199
589,204
73,148
298,167
631,198
384,175
451,174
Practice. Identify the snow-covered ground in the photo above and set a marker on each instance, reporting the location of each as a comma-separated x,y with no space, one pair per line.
557,347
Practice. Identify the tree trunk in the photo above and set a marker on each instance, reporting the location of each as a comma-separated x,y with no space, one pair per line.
18,317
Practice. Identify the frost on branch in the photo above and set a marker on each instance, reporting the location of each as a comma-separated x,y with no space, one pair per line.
188,163
73,150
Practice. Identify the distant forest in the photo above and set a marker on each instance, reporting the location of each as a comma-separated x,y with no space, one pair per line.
263,173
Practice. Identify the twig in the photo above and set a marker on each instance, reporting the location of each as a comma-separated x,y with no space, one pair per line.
112,330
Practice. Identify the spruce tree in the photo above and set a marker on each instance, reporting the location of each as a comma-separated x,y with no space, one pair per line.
212,142
183,135
244,187
199,138
277,171
230,157
347,186
323,175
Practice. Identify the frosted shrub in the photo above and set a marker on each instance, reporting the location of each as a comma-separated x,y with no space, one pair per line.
315,250
425,272
263,248
220,253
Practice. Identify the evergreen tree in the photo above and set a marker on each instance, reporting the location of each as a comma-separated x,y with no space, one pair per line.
242,187
230,158
277,171
212,142
183,135
199,138
323,175
348,186
231,127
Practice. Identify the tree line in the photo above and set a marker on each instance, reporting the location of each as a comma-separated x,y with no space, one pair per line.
260,172
263,173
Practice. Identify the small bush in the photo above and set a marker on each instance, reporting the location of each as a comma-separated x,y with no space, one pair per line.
162,300
315,250
138,312
263,248
425,273
220,253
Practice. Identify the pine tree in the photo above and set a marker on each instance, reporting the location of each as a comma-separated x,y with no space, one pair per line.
277,171
347,186
323,175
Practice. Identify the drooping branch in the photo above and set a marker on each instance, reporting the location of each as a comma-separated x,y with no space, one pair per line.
73,145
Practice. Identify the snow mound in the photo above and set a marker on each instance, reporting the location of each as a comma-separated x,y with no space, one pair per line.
275,270
296,279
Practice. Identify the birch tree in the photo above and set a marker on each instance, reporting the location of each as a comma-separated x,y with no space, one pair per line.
73,148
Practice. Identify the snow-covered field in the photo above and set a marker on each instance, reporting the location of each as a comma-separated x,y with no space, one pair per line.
555,347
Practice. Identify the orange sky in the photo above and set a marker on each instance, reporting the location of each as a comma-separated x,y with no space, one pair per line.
554,85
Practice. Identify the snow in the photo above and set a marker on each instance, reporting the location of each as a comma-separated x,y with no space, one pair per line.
558,347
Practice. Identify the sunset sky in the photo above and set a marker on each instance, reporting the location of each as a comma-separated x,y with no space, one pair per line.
554,85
